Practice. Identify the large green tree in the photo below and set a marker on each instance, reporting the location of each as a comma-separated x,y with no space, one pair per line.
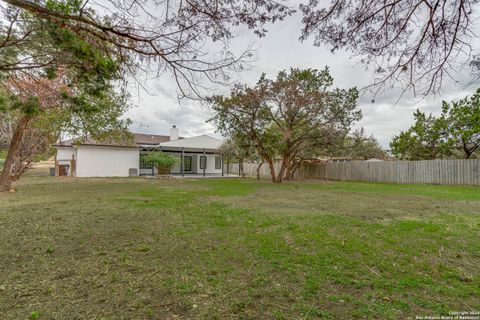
426,139
55,78
287,117
463,121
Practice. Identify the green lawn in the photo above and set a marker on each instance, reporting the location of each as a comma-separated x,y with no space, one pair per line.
236,249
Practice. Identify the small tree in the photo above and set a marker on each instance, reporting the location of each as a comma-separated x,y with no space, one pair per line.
162,161
239,148
358,145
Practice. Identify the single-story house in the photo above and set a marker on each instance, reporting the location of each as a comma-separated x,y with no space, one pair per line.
90,158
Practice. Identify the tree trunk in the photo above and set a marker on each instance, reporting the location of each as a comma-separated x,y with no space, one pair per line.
240,168
282,169
468,151
290,170
272,169
6,177
258,169
294,169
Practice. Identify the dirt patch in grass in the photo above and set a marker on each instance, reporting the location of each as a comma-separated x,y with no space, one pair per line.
359,205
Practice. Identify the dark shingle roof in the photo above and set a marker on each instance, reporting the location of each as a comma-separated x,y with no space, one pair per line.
138,140
154,139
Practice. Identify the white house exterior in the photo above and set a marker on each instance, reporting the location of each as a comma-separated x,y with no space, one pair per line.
90,158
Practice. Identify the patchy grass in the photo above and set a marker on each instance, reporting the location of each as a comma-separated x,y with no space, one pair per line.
216,249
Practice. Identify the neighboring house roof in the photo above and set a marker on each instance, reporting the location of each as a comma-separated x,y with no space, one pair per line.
153,139
139,139
197,143
374,160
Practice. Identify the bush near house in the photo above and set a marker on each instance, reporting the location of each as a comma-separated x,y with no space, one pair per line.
162,161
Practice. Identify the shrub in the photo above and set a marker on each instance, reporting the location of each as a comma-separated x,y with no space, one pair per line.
161,160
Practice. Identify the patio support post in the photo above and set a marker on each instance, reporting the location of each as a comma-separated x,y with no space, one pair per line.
228,165
181,164
204,162
153,167
222,166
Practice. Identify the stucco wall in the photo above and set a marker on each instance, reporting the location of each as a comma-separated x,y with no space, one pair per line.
66,153
97,161
210,164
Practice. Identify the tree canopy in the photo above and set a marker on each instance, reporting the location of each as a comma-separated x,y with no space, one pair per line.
153,36
411,43
463,123
424,140
455,133
42,95
359,146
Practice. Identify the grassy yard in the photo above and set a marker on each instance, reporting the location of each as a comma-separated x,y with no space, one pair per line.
236,249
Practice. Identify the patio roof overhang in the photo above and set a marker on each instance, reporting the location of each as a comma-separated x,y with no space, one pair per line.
179,149
188,150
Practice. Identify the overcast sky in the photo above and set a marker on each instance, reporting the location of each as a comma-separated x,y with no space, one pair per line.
158,109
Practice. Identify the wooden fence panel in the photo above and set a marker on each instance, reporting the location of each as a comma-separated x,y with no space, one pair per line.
453,172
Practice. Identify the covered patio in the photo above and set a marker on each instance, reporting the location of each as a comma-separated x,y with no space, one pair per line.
197,156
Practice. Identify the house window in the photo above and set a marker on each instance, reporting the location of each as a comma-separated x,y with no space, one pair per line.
203,162
187,163
218,163
144,164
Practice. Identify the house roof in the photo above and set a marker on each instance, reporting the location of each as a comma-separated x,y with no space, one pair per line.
197,143
64,143
139,139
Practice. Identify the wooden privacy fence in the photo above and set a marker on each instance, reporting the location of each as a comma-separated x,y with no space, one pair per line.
454,172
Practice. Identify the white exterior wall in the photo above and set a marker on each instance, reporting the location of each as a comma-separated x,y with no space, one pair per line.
210,164
66,153
98,161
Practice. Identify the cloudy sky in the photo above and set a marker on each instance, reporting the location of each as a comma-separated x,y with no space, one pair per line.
157,107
